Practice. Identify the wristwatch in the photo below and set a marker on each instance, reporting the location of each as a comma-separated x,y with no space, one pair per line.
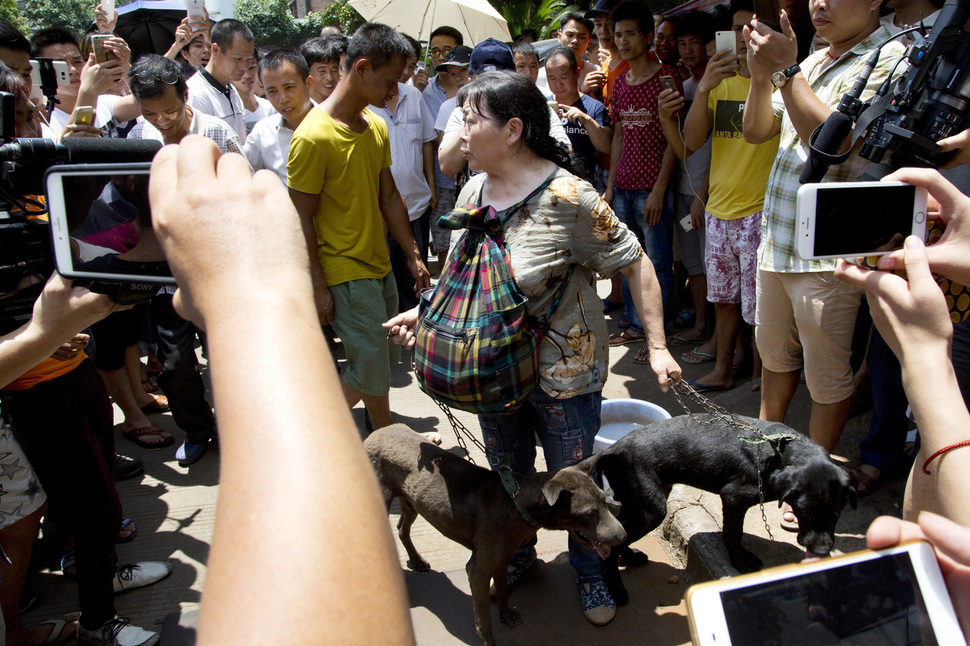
779,79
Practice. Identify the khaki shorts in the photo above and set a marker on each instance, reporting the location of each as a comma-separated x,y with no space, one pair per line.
807,320
360,307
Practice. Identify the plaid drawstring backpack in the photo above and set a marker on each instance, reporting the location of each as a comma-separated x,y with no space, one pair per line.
475,344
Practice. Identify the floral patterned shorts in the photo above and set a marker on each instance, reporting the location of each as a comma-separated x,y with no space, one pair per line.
731,256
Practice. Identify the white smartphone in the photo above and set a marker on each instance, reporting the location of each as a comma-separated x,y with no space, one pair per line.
196,13
101,224
726,40
109,7
891,596
62,73
851,219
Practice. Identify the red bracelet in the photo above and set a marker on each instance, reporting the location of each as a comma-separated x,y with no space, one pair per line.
955,445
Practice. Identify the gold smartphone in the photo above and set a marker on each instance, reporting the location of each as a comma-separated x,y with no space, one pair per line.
83,115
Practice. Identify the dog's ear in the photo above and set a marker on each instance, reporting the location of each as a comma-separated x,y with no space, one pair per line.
614,506
847,484
551,491
588,465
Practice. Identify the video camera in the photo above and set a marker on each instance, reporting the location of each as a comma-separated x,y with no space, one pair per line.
26,257
906,116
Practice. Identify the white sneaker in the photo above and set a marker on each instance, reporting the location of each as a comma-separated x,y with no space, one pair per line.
137,575
117,632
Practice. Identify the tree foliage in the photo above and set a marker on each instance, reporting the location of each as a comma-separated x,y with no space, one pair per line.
76,15
543,16
272,24
10,13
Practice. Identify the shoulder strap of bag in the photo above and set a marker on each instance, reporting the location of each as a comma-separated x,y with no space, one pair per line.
518,205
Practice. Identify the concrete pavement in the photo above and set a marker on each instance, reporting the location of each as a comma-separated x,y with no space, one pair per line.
175,512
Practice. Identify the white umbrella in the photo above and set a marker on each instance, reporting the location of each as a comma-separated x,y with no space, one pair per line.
475,19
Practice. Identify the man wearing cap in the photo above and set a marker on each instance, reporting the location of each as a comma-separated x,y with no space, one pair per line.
440,89
455,69
489,55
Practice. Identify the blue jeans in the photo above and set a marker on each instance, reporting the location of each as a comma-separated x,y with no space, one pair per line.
566,428
883,446
657,240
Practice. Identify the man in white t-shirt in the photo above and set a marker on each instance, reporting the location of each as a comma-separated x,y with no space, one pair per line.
412,135
211,90
288,84
159,86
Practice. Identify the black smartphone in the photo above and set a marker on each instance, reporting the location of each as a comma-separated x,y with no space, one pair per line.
768,12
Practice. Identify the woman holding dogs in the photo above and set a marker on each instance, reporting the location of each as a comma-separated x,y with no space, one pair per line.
557,221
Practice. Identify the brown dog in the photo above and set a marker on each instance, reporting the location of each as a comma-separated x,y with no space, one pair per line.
469,505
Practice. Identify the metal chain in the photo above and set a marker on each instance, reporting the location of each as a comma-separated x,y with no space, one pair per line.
457,426
718,412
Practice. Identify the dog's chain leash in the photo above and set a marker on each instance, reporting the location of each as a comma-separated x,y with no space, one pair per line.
720,413
460,428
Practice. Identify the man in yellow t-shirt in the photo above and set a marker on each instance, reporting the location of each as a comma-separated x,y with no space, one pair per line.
738,176
339,175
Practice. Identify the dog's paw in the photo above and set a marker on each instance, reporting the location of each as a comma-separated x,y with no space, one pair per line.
421,566
511,617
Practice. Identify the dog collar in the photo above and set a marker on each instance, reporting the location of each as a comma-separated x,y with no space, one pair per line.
770,439
512,488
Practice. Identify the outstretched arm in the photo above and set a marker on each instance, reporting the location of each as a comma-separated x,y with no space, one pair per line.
281,406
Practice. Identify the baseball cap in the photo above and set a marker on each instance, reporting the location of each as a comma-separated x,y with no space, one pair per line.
491,54
603,7
458,57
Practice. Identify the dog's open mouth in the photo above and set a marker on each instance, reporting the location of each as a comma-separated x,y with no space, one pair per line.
593,546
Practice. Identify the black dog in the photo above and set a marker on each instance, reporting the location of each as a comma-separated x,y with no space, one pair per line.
644,465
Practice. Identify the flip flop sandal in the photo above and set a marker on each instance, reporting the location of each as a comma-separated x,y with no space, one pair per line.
684,319
701,388
153,430
867,483
642,358
789,525
697,357
680,339
624,337
127,525
159,404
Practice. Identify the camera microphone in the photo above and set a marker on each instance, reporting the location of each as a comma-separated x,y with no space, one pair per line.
824,147
96,150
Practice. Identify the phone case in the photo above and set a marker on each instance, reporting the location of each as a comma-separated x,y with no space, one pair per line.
726,40
931,580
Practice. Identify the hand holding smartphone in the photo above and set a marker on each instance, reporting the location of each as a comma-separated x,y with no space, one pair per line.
83,115
891,596
101,54
197,15
667,82
856,219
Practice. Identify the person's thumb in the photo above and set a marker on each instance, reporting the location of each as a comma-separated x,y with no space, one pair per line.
917,264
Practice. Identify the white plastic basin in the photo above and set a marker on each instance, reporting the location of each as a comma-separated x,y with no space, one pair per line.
621,416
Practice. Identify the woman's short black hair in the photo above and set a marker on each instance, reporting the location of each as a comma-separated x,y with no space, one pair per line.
507,95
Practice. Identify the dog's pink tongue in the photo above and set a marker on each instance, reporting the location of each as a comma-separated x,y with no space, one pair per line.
602,550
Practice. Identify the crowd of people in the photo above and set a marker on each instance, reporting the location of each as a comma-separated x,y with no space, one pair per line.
654,160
